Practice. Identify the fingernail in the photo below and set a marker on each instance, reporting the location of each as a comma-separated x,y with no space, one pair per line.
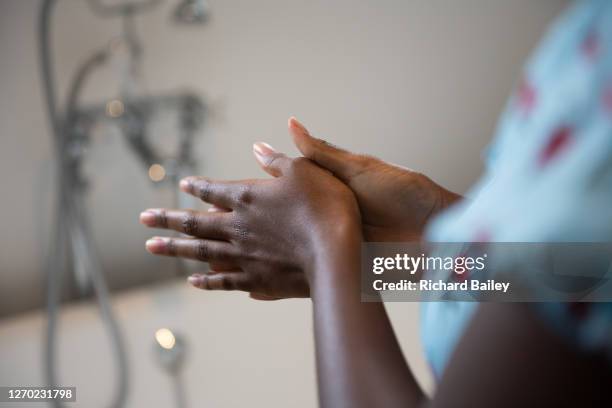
195,280
296,123
156,245
185,185
263,149
148,218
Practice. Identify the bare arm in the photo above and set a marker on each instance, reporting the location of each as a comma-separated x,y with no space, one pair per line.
507,357
359,361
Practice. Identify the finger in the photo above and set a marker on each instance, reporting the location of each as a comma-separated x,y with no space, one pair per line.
223,194
199,249
342,163
273,162
222,281
261,296
190,222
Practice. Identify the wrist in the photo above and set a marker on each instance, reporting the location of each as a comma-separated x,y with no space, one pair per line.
336,249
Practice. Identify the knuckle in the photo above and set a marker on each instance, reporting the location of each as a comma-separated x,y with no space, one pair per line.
206,282
272,159
244,195
204,189
162,219
171,248
189,223
202,250
227,283
325,143
239,229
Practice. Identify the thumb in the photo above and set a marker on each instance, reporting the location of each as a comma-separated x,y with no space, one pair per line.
342,163
271,161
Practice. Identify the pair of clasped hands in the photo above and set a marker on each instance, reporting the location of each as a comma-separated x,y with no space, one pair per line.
268,236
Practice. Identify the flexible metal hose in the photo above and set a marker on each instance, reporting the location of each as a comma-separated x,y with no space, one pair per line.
71,234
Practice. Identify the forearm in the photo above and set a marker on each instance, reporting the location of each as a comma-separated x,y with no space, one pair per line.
359,361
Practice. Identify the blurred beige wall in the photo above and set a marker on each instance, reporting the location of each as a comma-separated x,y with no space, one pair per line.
419,83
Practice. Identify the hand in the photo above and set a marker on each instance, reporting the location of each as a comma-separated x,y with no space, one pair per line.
274,230
395,203
302,290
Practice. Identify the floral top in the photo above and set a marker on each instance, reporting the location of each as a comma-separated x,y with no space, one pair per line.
548,176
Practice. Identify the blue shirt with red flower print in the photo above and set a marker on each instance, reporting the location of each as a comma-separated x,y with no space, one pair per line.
548,176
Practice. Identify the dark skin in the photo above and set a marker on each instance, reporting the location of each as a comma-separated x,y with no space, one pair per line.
395,203
300,233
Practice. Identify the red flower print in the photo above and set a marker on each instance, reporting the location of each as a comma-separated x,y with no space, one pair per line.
526,96
557,142
590,46
482,236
